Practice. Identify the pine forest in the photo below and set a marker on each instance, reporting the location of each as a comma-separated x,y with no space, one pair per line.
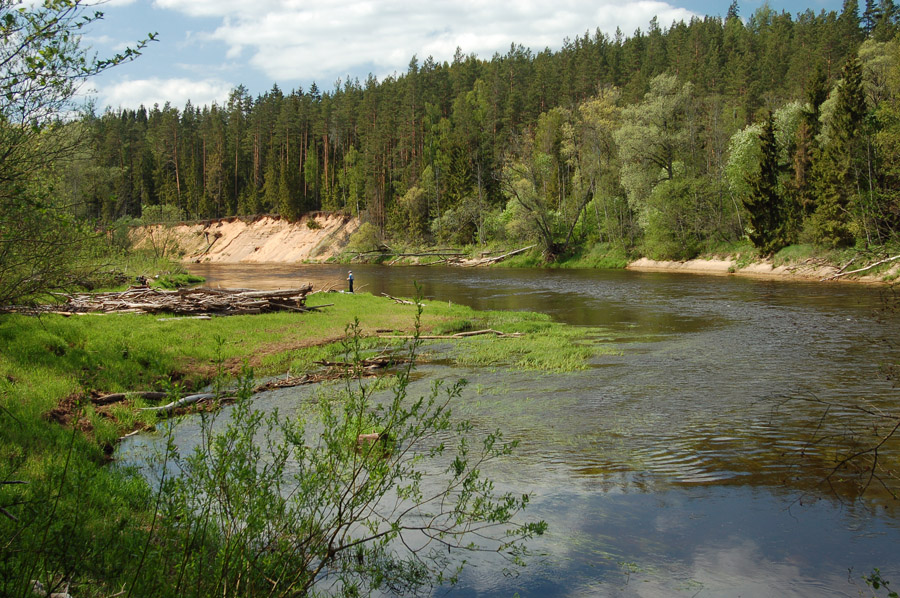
669,142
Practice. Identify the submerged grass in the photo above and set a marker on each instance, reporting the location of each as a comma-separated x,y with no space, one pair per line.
547,346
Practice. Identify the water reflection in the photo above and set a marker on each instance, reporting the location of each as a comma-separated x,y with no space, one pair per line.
672,468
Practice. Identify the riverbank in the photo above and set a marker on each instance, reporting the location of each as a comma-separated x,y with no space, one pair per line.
54,359
796,262
323,237
810,269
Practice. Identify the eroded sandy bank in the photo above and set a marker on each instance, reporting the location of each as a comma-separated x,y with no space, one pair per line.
264,240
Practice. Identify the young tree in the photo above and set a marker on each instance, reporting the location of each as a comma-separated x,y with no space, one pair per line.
160,221
376,491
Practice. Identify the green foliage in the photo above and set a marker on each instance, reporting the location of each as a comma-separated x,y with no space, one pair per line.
43,64
839,172
410,219
177,281
676,218
654,138
601,255
744,155
876,582
366,238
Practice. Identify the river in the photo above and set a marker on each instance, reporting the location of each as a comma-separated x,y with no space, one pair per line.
690,462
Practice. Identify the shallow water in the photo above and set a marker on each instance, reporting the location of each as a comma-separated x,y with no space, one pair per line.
673,467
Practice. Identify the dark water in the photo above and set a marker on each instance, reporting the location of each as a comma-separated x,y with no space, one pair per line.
690,463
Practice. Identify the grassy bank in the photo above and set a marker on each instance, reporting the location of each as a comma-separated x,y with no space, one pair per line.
77,518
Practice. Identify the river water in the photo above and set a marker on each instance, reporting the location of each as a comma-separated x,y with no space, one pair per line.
690,462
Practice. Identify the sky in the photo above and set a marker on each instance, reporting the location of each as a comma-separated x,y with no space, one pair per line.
206,48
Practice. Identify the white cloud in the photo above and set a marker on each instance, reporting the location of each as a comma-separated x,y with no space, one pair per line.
291,40
177,92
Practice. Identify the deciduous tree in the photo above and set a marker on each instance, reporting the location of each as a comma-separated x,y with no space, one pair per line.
42,65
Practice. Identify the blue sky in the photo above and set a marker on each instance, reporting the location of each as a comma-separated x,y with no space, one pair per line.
208,47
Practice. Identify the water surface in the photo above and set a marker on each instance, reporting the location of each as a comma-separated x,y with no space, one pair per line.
688,464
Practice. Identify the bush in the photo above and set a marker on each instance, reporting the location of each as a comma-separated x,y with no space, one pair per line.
366,238
273,506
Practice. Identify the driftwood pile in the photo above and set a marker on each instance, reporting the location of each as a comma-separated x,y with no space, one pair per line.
194,302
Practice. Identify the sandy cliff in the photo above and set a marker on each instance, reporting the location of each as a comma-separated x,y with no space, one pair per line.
263,240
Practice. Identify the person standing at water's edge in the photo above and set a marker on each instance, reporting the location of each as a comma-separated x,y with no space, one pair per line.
350,280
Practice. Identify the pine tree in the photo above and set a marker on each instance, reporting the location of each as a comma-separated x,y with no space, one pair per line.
733,12
807,147
765,202
885,26
871,16
839,172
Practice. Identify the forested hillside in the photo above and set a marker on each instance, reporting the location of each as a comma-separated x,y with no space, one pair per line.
772,126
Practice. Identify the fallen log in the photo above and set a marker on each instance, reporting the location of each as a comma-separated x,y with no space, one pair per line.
319,306
269,294
869,267
381,361
188,400
130,434
480,332
398,300
121,396
425,337
494,260
193,302
204,317
314,378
